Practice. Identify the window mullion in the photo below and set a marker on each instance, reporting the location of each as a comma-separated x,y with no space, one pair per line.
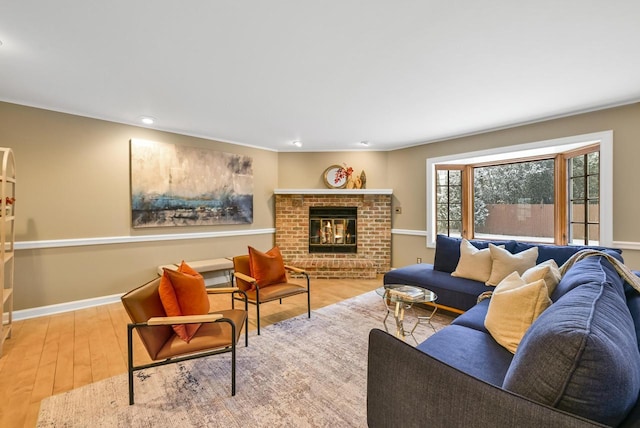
561,216
467,202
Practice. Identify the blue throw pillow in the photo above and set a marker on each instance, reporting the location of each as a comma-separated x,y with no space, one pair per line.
581,355
447,253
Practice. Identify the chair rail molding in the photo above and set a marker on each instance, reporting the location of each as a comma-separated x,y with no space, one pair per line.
83,242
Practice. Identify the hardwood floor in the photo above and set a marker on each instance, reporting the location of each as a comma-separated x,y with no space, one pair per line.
53,354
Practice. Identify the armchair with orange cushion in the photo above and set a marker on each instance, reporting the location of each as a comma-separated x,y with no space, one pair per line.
171,316
263,278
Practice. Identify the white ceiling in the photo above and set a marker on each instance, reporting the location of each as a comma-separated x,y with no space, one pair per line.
330,73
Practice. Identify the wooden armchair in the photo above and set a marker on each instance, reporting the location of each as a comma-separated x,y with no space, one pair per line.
257,294
219,332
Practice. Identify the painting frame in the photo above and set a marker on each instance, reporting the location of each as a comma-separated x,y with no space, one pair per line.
177,185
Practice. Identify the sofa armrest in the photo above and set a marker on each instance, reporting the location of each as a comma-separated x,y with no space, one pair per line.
407,387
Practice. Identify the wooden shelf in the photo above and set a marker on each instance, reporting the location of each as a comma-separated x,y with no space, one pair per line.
7,239
7,293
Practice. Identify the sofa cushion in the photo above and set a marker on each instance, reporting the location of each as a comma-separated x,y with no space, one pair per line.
452,345
474,264
514,306
448,251
504,263
633,303
547,270
559,253
581,354
455,292
574,277
474,317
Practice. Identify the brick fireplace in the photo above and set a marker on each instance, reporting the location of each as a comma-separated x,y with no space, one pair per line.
373,234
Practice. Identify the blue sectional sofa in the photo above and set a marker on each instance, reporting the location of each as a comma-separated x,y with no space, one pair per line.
577,365
460,294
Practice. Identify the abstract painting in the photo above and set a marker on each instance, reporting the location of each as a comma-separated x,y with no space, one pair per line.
174,185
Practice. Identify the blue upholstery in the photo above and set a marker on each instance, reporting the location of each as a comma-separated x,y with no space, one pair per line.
559,253
577,365
452,345
448,251
452,291
462,293
581,355
633,303
575,277
474,317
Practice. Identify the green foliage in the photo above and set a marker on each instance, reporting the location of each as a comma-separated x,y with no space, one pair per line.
515,183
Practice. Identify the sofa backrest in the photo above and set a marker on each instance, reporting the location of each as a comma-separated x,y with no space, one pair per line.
448,251
561,253
581,355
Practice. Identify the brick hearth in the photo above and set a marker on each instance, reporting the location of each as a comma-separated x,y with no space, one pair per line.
373,233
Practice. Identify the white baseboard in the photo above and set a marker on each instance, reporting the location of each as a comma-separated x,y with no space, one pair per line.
59,308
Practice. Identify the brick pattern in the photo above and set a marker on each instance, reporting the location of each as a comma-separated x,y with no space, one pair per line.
373,235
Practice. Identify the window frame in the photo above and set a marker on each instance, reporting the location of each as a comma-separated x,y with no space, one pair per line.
463,195
584,152
547,149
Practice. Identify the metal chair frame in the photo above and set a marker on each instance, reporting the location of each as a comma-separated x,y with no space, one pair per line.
159,322
258,302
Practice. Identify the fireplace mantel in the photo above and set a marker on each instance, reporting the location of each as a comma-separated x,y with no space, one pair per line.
333,191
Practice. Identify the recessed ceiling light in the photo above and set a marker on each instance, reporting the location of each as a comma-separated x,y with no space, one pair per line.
147,120
297,143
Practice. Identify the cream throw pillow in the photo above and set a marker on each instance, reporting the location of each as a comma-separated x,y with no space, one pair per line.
474,263
503,263
547,270
514,306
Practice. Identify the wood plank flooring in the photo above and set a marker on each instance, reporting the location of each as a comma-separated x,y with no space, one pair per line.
53,354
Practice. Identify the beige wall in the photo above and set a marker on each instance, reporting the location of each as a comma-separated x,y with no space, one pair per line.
306,170
73,182
409,188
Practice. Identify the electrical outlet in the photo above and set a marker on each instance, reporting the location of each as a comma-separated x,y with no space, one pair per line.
398,210
419,260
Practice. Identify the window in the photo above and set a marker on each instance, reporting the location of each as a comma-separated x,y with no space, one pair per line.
514,199
449,202
584,194
551,191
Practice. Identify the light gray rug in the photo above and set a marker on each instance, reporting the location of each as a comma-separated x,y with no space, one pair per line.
298,373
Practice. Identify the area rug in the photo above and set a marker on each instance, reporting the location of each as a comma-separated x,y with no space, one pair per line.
298,373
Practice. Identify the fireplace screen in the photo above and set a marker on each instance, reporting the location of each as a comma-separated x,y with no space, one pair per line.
332,229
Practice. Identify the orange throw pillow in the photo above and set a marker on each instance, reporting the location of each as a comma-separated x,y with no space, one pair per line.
267,268
183,292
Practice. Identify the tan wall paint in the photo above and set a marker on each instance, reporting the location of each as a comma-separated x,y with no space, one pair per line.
73,182
407,174
306,170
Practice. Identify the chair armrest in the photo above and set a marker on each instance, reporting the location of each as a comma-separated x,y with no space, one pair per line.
185,319
295,269
222,290
244,277
405,385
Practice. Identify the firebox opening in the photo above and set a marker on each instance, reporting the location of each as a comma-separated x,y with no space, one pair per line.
333,229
